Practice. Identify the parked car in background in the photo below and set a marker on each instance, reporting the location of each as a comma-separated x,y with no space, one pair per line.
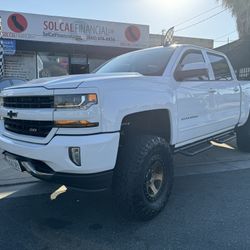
10,82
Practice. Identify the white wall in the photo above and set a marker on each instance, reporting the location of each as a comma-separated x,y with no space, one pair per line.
156,40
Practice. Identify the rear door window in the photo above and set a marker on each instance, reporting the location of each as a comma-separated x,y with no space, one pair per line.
220,67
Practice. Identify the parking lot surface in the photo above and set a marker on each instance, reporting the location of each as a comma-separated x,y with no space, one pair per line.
208,209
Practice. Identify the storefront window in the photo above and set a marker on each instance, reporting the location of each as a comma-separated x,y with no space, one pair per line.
79,65
31,65
52,65
95,63
21,65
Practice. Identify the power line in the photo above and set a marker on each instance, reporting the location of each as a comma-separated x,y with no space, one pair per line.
225,41
222,43
202,21
230,33
201,14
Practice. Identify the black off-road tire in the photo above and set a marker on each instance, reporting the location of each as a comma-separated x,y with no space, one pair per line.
243,137
130,181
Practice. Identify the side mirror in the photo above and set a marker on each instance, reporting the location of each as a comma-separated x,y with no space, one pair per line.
191,70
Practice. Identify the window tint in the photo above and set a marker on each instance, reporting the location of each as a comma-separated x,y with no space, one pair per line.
5,84
150,62
192,57
220,67
17,81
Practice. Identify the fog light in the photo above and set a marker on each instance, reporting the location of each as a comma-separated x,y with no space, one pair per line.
75,155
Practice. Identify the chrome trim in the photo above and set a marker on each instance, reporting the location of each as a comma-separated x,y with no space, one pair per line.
29,167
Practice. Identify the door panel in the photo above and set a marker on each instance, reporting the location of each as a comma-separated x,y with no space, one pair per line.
195,100
228,94
227,99
196,106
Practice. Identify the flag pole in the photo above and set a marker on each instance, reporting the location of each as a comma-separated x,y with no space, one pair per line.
169,37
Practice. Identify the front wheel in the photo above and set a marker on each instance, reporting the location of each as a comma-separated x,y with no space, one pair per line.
143,177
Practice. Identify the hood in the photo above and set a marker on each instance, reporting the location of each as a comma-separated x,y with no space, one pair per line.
72,81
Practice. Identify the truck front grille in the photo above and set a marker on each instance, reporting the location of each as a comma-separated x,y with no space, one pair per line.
28,102
25,127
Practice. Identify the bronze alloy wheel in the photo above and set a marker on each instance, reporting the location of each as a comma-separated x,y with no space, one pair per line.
154,181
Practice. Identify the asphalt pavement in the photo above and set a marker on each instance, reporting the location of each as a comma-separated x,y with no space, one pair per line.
10,177
208,209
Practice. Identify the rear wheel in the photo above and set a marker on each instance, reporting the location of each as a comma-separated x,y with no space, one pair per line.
143,177
243,137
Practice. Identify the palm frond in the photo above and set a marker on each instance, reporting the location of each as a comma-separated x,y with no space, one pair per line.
241,11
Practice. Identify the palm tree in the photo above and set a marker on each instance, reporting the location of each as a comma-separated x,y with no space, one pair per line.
241,10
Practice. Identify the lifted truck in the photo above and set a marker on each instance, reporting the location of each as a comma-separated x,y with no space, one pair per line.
120,126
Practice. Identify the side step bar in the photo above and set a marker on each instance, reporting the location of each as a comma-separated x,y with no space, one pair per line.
226,138
204,145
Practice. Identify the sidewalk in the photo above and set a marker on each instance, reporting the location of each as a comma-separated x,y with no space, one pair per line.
9,176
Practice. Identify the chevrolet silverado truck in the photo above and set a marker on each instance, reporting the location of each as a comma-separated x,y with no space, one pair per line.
120,126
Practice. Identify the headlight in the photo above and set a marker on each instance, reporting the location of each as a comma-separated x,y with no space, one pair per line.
75,101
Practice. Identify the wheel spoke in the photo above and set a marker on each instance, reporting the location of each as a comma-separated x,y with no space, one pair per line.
153,188
153,180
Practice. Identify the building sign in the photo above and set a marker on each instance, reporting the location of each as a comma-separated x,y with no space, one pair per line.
9,46
72,30
17,23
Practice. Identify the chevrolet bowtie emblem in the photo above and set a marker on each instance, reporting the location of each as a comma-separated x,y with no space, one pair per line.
12,114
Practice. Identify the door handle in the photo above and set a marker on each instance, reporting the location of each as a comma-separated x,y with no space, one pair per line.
236,89
212,91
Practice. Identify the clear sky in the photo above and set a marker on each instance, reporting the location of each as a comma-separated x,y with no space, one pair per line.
158,14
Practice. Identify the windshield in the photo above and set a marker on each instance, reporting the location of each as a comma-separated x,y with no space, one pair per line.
16,82
5,84
149,62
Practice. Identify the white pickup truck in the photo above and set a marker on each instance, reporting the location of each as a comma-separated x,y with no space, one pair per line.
120,126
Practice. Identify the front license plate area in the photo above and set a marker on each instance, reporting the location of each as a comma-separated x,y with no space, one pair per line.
13,163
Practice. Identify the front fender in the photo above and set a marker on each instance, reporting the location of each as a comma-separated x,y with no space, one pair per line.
123,100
